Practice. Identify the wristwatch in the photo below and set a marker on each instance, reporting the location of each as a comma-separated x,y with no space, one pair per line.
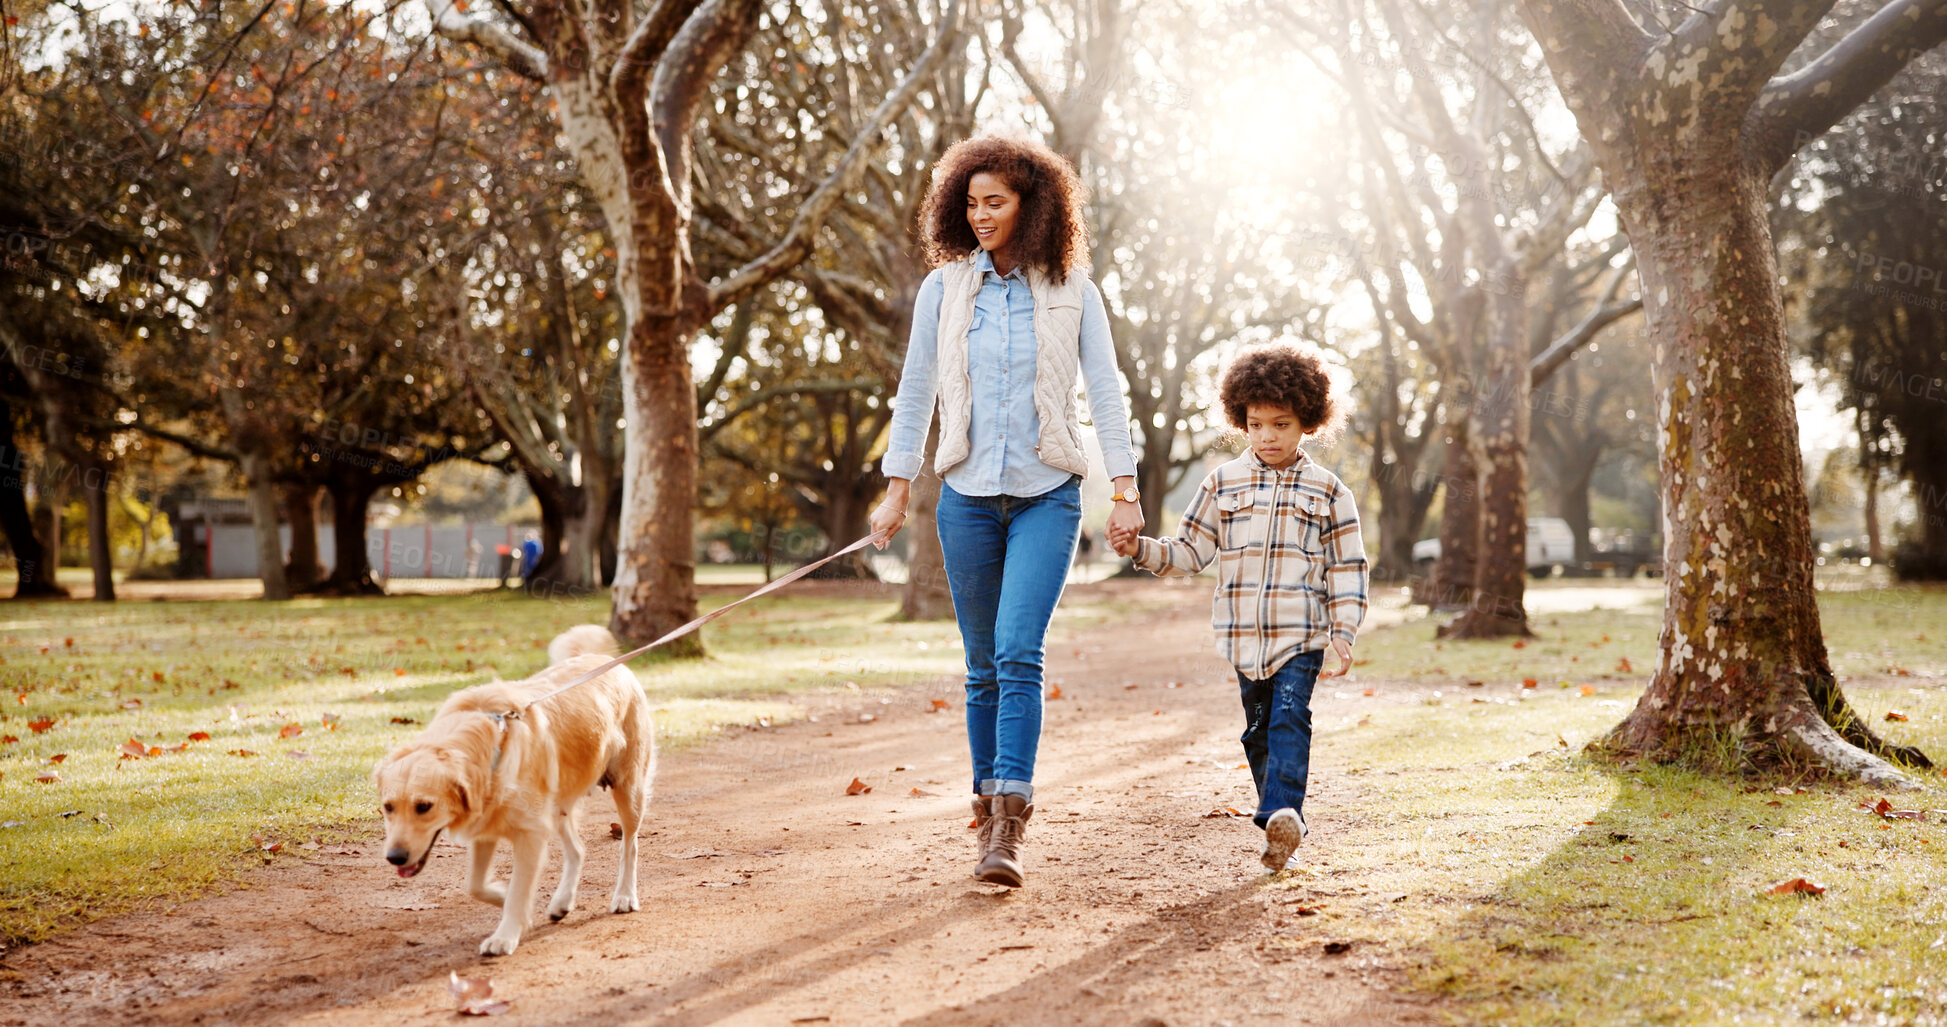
1128,495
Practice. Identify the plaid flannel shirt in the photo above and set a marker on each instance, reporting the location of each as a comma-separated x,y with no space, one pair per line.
1291,568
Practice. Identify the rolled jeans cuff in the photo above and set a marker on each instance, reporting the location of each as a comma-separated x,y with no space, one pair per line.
1003,786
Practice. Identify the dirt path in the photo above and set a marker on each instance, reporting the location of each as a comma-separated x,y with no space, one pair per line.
771,897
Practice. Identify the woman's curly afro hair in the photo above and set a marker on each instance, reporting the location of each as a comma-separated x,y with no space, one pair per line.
1282,375
1050,232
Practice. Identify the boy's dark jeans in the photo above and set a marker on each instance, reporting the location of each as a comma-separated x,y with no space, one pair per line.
1278,733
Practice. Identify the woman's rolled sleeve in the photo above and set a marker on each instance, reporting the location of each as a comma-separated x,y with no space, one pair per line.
1105,386
912,406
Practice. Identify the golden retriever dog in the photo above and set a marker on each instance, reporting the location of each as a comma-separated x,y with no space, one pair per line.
488,776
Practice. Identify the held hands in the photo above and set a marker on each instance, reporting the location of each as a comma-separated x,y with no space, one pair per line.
1125,526
1344,649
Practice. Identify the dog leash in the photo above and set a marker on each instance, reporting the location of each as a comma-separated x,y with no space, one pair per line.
672,636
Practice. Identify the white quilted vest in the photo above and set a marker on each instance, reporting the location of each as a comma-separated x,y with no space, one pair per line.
1057,338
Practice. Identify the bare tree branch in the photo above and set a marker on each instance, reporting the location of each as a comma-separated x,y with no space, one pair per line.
1794,108
1601,316
797,242
519,56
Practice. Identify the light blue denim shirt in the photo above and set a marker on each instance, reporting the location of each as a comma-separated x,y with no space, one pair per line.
1001,363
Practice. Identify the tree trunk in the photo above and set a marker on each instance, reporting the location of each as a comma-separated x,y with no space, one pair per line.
926,596
846,516
554,499
1500,440
1742,656
1572,505
655,573
49,511
1451,584
261,496
351,573
36,572
303,570
1403,502
610,526
101,553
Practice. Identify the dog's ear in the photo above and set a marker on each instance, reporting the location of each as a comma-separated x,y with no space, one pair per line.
459,793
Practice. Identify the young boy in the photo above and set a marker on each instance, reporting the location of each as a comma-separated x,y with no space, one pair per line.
1291,571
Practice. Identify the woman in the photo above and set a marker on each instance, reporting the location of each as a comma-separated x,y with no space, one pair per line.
1000,329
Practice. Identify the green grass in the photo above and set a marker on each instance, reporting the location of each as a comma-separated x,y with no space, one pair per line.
1530,885
116,832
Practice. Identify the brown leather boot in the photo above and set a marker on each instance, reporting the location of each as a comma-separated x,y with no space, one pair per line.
984,824
1000,860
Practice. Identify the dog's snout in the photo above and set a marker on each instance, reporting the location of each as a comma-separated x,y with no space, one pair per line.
396,856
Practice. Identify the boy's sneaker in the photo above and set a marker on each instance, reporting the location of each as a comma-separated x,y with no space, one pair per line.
1282,835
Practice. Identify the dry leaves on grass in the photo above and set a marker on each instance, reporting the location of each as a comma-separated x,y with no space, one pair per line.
1885,811
290,731
858,787
940,704
1225,811
1796,886
473,996
48,777
1895,715
39,725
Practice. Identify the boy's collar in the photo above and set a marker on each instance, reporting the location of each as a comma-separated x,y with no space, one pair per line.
1258,463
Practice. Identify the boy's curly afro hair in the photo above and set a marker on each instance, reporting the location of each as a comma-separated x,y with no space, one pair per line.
1284,375
1050,233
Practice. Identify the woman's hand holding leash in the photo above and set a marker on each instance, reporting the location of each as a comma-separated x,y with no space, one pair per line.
889,516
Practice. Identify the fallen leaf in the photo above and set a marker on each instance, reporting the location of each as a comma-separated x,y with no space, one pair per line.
331,721
1895,715
614,829
1336,948
941,704
290,731
57,757
1623,666
40,724
1054,692
1476,684
199,736
1885,811
157,675
8,739
473,996
404,720
133,750
1224,811
867,718
1588,689
1795,886
857,787
1242,766
48,777
1520,644
131,704
1369,693
1530,683
241,752
920,793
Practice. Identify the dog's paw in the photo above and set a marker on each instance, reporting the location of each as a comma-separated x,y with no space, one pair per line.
559,913
492,894
495,945
624,904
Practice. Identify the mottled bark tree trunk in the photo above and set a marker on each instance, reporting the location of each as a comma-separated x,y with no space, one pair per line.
1572,505
1689,126
655,573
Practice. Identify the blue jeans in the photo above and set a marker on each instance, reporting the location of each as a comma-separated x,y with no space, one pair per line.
1007,560
1278,733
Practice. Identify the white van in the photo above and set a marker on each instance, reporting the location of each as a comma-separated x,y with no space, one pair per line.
1551,546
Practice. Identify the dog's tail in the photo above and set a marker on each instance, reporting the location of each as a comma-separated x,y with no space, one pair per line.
581,640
